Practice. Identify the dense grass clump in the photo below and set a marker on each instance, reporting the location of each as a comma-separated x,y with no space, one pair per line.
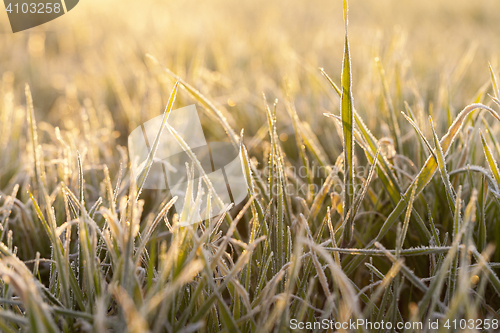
378,203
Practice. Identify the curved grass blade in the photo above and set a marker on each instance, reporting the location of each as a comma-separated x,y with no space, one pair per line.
247,169
492,276
450,193
415,280
424,176
427,172
422,136
144,174
456,227
205,102
475,168
385,174
406,222
396,133
434,291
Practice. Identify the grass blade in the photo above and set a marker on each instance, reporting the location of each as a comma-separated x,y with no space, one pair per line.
348,131
492,163
144,173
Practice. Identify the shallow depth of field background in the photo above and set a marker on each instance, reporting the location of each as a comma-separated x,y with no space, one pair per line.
90,76
238,50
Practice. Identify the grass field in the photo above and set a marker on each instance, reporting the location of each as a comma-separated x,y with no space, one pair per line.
370,150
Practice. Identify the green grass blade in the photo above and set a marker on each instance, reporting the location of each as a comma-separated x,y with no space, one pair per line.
492,163
204,101
425,175
348,131
456,228
396,133
481,229
144,173
494,82
427,172
492,276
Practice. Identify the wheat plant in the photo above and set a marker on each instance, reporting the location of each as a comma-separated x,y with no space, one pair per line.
376,206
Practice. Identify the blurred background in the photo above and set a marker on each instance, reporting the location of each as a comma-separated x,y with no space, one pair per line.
233,51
